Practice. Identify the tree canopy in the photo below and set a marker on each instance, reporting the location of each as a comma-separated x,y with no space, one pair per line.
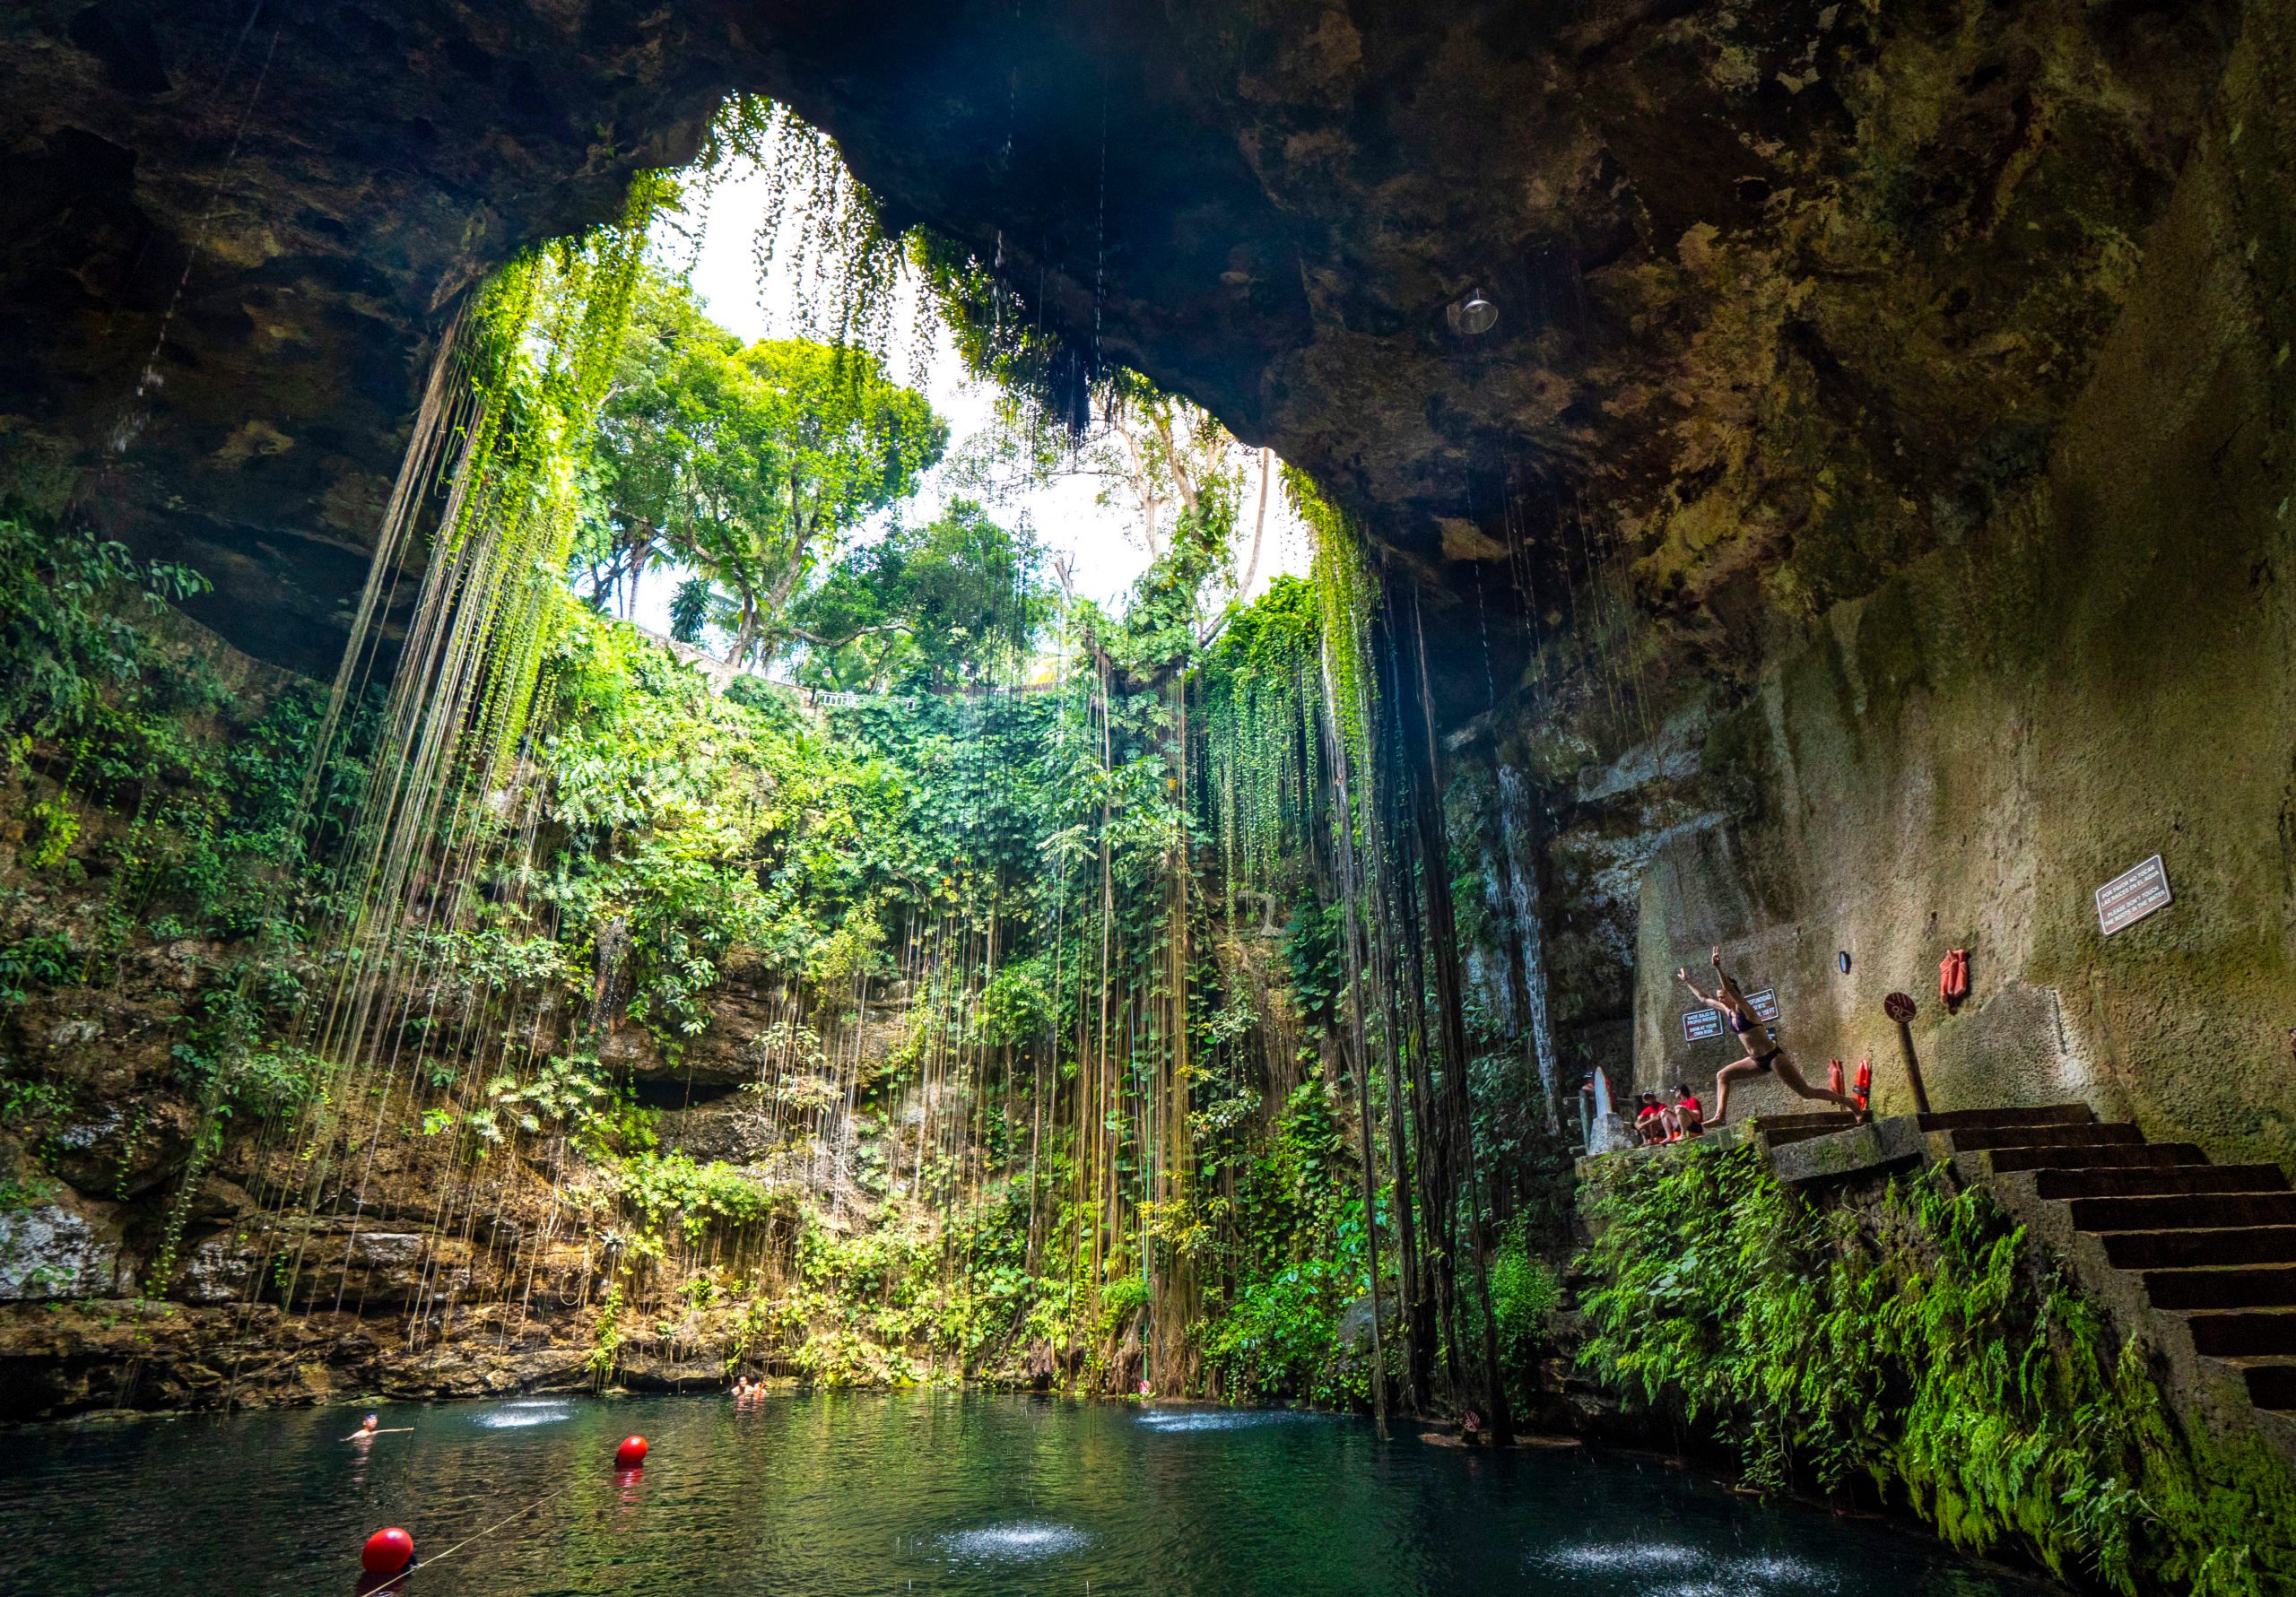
944,603
749,465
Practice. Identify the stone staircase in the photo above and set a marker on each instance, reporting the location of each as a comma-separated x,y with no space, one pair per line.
2196,1259
2202,1254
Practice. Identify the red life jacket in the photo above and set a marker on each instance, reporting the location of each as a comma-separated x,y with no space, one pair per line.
1954,977
1833,1074
1865,1081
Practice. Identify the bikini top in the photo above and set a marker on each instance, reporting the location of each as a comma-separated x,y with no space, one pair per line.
1738,1022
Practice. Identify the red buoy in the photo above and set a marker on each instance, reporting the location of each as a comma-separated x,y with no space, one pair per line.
387,1552
630,1455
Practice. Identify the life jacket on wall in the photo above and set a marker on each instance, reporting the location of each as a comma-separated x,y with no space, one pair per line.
1954,977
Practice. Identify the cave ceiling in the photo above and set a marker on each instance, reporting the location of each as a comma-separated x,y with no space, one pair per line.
1785,290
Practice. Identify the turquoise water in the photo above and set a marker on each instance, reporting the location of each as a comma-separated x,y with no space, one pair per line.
909,1492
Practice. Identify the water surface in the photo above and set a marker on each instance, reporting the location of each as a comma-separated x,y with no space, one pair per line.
909,1492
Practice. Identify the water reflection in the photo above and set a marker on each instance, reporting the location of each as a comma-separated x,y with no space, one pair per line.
1643,1566
1026,1541
883,1496
1188,1420
519,1416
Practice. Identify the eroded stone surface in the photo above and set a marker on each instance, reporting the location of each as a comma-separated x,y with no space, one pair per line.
49,1251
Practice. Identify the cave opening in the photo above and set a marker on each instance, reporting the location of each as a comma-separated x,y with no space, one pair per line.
1072,700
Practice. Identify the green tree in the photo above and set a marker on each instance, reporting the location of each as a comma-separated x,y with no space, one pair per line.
950,602
749,464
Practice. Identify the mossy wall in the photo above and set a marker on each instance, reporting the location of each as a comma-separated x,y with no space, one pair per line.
1909,1340
2100,670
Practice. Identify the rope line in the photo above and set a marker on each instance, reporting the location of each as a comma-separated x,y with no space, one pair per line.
423,1564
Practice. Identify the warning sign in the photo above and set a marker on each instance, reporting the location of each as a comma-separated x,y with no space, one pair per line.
2128,897
1698,1024
1763,1003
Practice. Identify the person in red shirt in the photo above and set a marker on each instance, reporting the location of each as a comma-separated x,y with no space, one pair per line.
1688,1113
1651,1119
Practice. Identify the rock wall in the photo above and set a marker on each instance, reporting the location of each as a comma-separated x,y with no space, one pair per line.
2098,669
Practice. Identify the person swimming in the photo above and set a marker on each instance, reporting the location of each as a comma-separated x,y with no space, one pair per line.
367,1431
1764,1054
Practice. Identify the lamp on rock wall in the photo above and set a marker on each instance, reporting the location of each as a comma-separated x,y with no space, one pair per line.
1472,317
1842,960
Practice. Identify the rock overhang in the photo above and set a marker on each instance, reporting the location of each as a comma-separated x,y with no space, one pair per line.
1784,292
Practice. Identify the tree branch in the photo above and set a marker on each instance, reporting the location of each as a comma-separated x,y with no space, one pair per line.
838,643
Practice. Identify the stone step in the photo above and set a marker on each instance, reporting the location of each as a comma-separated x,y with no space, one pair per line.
2272,1382
2160,1181
1985,1138
2268,1286
2184,1210
2244,1333
1977,1120
2109,1156
2192,1250
1831,1120
1787,1139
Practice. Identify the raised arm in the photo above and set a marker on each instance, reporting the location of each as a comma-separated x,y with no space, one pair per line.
1681,975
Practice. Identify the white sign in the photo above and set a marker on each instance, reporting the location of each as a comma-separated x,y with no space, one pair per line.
1763,1003
2128,897
1698,1024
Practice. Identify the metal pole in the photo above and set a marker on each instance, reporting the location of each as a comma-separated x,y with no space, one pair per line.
1899,1008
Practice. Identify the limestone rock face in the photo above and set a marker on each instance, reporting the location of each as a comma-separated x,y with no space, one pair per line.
1799,283
1863,529
50,1251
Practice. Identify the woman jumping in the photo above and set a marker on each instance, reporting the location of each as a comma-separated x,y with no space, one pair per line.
1763,1054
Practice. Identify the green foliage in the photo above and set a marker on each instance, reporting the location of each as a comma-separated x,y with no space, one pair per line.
906,1301
36,960
70,606
749,464
661,1188
1932,1350
1311,952
957,601
1524,1290
107,710
1281,1338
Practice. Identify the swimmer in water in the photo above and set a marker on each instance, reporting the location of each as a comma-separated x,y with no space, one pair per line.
1764,1053
367,1431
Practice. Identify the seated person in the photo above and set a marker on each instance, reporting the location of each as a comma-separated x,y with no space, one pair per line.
1651,1119
1688,1113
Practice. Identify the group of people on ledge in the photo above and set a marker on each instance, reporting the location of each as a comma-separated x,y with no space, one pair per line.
1657,1121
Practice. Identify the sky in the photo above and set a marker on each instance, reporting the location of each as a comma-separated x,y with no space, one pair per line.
1102,542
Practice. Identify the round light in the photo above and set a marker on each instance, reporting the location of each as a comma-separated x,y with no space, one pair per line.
1843,959
1472,317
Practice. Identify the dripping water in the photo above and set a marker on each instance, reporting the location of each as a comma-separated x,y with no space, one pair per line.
1523,896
